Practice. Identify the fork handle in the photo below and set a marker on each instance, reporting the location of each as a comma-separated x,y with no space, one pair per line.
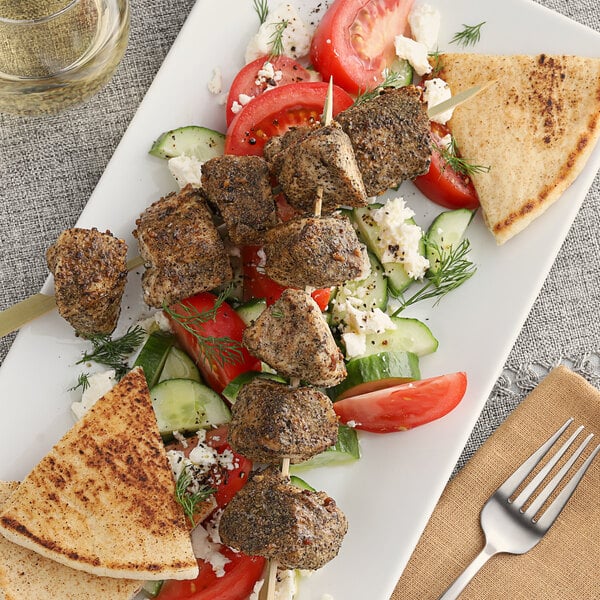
471,570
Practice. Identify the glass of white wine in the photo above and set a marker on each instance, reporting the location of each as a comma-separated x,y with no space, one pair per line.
58,53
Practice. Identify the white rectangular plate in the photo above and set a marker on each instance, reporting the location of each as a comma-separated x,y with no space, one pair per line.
388,496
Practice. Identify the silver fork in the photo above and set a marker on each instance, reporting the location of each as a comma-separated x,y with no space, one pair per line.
507,527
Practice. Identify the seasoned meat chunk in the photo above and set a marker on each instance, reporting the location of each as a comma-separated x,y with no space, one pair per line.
271,421
275,147
270,517
315,251
181,248
239,186
390,137
90,273
292,337
321,162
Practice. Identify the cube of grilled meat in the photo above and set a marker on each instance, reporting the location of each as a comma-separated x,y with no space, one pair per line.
320,162
315,251
181,247
239,186
275,147
293,338
390,137
90,273
271,421
269,517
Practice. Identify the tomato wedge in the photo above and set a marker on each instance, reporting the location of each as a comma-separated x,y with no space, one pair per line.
274,113
354,42
241,574
248,82
403,406
259,285
226,325
442,184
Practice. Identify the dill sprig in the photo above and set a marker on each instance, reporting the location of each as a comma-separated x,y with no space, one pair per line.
453,269
438,65
469,36
187,496
262,10
392,79
83,382
276,39
461,165
114,352
219,351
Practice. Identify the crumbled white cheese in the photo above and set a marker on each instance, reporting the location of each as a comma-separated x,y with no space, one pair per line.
436,92
186,170
295,39
399,239
215,85
414,52
267,76
366,321
424,21
156,321
446,141
99,384
203,456
243,99
207,550
236,107
355,344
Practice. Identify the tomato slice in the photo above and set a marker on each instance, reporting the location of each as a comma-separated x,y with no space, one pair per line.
226,324
274,113
403,406
442,184
248,82
354,42
241,574
259,285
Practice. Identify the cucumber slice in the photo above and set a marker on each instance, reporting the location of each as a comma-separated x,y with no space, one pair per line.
346,450
150,589
298,482
153,356
370,232
445,233
410,335
197,142
382,367
185,405
233,388
251,310
179,366
372,292
403,72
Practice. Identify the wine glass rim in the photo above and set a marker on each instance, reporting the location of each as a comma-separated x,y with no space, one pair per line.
42,19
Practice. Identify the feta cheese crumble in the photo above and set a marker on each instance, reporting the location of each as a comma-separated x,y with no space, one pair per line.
208,550
186,170
424,21
99,384
399,238
295,39
215,85
436,92
414,52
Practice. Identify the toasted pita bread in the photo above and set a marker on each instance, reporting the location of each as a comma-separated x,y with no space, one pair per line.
25,574
535,127
102,500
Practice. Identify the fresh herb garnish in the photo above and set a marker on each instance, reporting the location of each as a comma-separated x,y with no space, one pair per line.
455,162
453,269
220,351
469,36
113,353
262,10
190,495
83,382
392,79
276,39
438,66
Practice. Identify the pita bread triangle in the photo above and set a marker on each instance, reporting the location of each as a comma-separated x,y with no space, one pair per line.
535,127
102,500
25,574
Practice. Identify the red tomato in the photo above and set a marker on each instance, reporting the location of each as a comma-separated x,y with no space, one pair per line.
225,324
241,574
274,113
403,406
354,42
442,184
259,285
245,81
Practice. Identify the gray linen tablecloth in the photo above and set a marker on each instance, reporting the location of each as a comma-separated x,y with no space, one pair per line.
49,167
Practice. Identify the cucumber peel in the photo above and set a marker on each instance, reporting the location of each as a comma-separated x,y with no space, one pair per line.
198,142
346,450
153,356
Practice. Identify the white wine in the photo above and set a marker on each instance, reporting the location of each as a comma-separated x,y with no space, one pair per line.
57,53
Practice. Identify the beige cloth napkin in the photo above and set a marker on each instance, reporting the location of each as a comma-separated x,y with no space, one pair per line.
566,563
